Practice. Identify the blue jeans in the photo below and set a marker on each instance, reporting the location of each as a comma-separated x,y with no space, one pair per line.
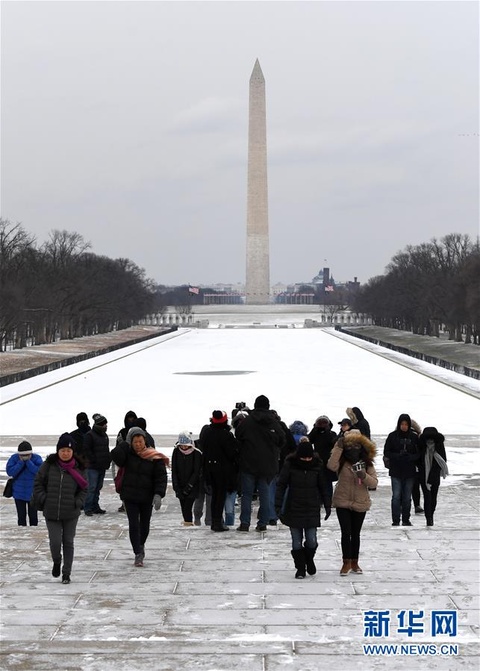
248,487
95,484
310,538
230,499
273,486
401,498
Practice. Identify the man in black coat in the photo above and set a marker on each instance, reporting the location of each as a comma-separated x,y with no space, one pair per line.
97,455
83,427
220,452
261,439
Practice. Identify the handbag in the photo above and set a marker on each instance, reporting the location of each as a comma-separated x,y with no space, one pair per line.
118,479
8,489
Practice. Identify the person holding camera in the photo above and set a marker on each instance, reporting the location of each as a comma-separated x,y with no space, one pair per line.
400,456
352,459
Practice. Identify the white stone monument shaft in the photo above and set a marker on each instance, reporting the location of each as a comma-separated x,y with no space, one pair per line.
257,289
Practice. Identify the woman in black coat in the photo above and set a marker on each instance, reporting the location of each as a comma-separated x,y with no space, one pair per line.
301,490
323,438
59,490
144,483
431,465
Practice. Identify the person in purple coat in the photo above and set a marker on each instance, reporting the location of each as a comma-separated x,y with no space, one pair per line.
22,467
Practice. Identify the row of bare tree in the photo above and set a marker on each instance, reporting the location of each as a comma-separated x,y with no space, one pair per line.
62,290
432,286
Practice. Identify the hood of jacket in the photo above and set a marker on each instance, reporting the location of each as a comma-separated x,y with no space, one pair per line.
430,433
298,427
354,437
263,416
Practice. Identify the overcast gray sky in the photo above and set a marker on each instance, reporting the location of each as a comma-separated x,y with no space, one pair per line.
127,123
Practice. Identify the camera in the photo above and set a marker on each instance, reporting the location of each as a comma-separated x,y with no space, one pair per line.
240,405
359,466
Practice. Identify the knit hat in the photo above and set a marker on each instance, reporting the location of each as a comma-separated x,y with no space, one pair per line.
219,417
99,419
25,447
135,431
304,449
261,403
65,440
82,417
185,438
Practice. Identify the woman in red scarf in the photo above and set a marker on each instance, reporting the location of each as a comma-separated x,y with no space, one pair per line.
59,491
144,485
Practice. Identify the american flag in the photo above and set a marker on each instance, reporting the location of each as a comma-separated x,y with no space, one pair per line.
194,290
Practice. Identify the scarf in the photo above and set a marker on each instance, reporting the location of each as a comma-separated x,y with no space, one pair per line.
69,467
430,455
186,449
150,453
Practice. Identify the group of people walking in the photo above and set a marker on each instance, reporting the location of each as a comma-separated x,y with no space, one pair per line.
290,469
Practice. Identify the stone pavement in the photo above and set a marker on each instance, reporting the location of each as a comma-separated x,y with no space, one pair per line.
207,601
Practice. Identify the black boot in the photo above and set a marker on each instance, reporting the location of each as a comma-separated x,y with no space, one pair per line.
309,555
299,561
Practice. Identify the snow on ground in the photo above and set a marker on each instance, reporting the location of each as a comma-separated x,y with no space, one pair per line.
175,382
204,602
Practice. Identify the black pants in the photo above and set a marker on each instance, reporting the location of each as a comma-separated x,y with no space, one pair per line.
61,534
430,499
186,504
22,508
350,524
219,492
139,515
416,492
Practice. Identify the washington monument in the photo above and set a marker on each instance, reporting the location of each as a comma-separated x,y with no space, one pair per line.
257,286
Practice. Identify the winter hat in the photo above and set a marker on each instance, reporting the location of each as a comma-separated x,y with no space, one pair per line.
82,417
25,447
323,419
261,403
185,438
219,417
141,422
346,420
428,432
304,449
65,440
135,431
99,419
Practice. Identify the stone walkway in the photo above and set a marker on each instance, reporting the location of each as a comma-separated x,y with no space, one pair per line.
207,601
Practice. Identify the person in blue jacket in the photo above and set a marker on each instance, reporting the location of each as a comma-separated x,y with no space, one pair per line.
23,466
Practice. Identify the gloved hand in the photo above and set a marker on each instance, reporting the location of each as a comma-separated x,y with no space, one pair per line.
328,512
187,490
157,501
362,474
